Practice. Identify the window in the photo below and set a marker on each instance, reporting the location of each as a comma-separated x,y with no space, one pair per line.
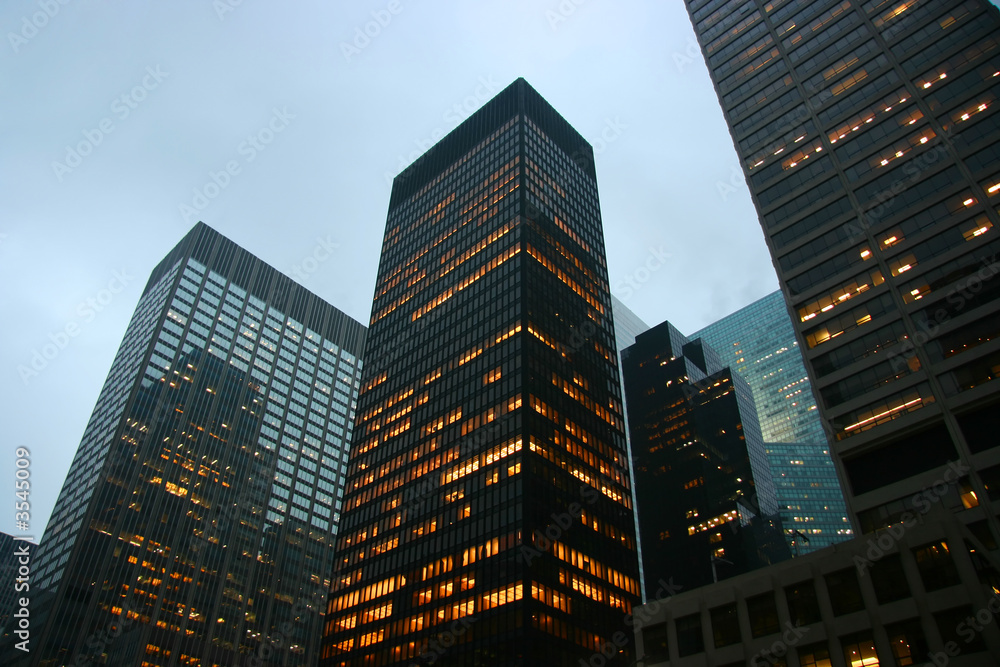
654,642
763,615
689,637
845,593
981,530
955,627
815,655
937,568
725,625
859,650
888,579
803,608
906,639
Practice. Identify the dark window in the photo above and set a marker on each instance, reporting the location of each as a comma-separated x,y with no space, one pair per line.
971,375
803,608
937,567
823,271
763,615
980,428
985,572
845,593
981,529
689,637
888,579
810,222
654,642
725,625
904,458
955,627
969,336
864,381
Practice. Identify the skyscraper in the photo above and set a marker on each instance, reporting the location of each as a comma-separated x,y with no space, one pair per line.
758,342
705,500
869,137
628,325
14,553
487,517
196,523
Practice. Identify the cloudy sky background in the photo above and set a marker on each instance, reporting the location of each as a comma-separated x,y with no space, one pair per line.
626,74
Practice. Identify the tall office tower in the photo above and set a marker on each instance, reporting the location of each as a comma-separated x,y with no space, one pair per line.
488,517
869,138
758,342
705,500
628,325
14,553
196,524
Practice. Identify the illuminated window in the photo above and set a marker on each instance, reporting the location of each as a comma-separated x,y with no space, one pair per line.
859,650
974,229
815,655
502,596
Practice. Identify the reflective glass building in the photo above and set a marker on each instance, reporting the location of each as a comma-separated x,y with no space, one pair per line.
628,325
706,503
196,524
869,137
758,342
488,516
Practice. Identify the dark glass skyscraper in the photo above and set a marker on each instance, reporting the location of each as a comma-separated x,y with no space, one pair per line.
488,517
705,499
15,552
869,136
758,342
196,523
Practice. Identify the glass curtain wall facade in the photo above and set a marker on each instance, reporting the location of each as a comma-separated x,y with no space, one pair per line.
758,342
488,517
706,503
628,325
12,557
868,135
196,523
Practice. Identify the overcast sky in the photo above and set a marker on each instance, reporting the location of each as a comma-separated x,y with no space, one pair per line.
117,115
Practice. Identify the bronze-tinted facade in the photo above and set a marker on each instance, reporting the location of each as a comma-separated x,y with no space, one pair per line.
487,517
